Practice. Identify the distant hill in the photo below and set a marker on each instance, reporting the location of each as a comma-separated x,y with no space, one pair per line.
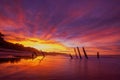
8,45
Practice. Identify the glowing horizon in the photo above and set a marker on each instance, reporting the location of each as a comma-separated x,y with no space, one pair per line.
58,26
44,45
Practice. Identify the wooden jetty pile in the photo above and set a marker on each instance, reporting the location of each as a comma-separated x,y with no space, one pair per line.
78,53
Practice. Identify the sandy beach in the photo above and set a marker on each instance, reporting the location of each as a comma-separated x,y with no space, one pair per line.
62,68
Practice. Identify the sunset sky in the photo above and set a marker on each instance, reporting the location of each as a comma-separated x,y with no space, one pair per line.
59,25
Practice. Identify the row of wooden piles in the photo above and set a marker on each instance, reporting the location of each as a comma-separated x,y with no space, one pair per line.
78,53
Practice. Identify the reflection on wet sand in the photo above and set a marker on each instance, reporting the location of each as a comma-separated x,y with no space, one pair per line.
16,60
60,68
11,60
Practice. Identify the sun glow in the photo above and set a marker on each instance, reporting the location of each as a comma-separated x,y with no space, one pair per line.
45,45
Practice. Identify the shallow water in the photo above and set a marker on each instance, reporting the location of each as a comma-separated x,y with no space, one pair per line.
61,68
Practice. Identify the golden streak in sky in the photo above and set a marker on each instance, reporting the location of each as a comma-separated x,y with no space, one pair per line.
45,45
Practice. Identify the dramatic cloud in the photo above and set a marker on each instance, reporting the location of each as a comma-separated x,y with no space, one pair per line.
63,23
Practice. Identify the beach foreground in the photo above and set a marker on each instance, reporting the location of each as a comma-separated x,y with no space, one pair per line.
61,68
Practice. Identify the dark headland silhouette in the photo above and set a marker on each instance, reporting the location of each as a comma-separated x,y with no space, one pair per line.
19,47
8,45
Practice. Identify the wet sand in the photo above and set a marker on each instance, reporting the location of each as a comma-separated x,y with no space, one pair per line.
61,68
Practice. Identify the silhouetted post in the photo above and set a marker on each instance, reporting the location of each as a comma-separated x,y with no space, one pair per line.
98,55
35,53
71,56
79,53
75,53
85,53
32,55
43,53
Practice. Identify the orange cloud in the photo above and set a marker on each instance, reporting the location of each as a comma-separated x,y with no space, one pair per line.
45,45
51,27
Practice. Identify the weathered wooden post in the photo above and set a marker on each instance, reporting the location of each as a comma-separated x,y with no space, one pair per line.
85,53
35,53
43,54
71,56
98,55
32,55
79,53
75,53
